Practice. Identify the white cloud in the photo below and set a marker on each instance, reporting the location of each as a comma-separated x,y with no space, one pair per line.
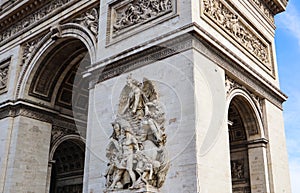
289,20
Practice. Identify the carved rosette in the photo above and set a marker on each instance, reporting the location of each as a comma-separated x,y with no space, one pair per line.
136,151
4,67
220,13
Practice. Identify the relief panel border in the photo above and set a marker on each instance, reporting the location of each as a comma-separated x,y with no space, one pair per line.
129,17
222,16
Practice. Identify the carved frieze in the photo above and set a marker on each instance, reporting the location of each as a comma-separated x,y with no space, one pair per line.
136,151
264,9
224,18
33,18
4,67
126,15
89,20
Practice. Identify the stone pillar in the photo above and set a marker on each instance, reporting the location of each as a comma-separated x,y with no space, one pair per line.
5,140
27,166
258,166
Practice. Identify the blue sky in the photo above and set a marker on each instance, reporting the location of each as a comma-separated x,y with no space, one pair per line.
288,51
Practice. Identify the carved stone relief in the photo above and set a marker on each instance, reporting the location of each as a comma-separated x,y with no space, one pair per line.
264,9
230,22
89,20
29,48
33,18
57,132
237,169
136,151
125,16
4,67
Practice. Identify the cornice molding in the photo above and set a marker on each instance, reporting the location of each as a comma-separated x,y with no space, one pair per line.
38,112
276,6
254,82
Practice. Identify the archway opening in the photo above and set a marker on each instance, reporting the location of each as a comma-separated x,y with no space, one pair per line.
68,168
57,84
240,175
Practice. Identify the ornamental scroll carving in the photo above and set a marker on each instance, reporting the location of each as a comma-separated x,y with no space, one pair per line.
136,152
231,23
33,18
139,11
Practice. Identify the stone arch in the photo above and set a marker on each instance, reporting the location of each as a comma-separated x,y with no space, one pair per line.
249,111
50,41
66,164
247,143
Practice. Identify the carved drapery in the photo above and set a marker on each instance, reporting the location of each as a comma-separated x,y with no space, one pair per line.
136,151
218,12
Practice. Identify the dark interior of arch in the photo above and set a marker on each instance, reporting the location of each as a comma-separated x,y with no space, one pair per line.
61,69
239,161
67,171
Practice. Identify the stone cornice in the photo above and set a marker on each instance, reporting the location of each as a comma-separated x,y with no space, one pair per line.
17,11
250,78
276,6
36,111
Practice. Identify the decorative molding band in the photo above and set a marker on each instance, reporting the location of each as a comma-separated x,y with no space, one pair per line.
222,16
263,9
127,16
4,73
148,56
42,13
25,110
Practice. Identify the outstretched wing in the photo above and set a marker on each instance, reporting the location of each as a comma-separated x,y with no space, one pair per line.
149,90
124,98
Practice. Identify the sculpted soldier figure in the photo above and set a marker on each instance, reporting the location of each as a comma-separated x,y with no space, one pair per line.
136,153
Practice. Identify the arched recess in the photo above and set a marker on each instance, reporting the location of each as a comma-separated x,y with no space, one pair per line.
46,45
248,159
66,166
52,80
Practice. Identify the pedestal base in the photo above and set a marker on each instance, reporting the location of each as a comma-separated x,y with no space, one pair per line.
146,189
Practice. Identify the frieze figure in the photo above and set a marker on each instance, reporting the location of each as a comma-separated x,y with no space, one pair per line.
136,150
231,22
139,11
